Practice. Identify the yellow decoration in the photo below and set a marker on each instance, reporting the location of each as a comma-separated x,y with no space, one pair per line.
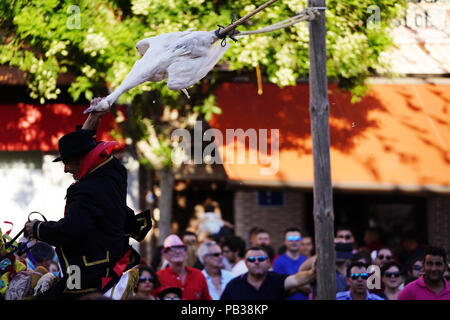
4,280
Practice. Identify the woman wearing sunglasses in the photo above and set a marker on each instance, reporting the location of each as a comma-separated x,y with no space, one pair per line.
415,270
392,280
148,282
384,255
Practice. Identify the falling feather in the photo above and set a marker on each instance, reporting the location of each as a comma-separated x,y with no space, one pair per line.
182,57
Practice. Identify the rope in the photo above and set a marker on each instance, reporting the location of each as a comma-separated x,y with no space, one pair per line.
307,14
246,17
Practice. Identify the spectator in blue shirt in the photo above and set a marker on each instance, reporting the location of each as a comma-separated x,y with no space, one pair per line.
289,262
357,280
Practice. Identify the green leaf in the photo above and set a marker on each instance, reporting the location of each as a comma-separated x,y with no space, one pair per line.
88,94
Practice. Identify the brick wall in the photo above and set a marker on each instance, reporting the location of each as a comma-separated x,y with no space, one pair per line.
249,214
439,222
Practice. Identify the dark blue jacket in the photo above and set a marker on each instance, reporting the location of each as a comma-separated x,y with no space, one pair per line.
96,227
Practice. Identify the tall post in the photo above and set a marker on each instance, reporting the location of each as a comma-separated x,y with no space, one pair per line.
166,181
320,132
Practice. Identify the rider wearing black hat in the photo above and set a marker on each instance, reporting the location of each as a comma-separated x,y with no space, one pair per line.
92,240
75,144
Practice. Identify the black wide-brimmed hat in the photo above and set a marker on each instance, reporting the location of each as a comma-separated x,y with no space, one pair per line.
75,144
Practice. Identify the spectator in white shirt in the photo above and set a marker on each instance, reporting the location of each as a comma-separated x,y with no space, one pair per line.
210,254
233,249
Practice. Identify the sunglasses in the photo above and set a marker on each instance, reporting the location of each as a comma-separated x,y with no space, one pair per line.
392,274
447,277
217,254
171,298
175,248
382,257
418,268
294,238
346,237
355,276
144,279
259,258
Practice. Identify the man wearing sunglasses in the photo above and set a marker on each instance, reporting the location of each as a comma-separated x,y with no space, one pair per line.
217,278
345,235
261,284
177,274
432,285
289,262
357,280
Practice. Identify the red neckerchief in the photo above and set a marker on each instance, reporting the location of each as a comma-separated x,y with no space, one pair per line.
96,156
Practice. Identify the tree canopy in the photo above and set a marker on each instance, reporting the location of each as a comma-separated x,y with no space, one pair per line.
95,40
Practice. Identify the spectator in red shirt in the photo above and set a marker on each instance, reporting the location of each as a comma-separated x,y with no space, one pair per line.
190,280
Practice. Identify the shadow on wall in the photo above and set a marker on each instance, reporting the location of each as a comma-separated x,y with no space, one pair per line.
287,109
419,100
26,127
391,123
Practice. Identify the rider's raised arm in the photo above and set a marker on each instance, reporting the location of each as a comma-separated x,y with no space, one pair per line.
94,118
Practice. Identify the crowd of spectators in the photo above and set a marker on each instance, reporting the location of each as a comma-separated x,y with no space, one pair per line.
224,266
234,269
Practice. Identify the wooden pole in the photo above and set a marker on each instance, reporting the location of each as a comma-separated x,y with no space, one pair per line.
166,181
320,132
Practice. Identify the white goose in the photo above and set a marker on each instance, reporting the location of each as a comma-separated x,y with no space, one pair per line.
182,57
186,57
